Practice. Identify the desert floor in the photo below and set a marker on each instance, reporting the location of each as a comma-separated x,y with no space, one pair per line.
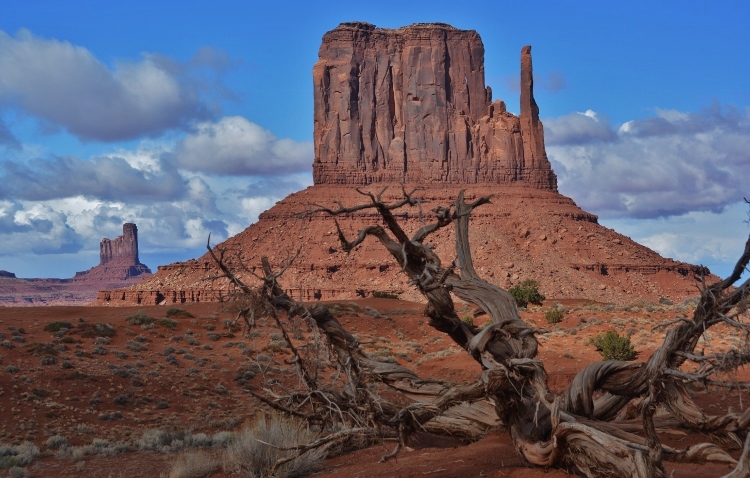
109,396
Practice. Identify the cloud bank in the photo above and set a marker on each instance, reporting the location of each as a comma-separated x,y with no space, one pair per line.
65,86
234,145
666,165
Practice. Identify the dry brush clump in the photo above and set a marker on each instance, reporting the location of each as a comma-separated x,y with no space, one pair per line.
584,429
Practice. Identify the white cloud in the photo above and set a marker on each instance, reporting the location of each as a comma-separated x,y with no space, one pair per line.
234,145
669,164
66,86
578,128
712,239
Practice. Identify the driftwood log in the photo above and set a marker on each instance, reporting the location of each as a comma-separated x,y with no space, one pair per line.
583,429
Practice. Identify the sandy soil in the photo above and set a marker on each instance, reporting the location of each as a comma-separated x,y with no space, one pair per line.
183,376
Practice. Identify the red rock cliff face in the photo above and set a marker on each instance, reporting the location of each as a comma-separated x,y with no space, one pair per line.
410,105
123,247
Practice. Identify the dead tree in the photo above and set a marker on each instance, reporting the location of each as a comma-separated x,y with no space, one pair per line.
572,430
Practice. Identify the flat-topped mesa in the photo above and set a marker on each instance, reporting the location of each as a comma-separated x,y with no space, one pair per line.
411,105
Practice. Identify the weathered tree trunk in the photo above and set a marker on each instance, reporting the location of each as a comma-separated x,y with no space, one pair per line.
573,430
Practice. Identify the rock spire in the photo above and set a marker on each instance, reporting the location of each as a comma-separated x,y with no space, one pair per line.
411,105
118,258
123,247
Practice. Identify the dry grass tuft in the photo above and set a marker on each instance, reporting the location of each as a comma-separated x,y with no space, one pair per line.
258,447
194,464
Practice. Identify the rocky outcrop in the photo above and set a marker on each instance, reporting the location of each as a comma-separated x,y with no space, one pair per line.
118,258
411,105
158,297
122,248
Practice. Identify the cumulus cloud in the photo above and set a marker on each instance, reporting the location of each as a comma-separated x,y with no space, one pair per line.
38,229
578,128
669,164
234,145
65,86
107,177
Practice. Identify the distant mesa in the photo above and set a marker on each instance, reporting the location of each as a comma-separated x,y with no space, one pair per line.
410,106
118,258
119,266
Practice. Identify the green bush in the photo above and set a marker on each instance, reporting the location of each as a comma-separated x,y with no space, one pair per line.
91,330
175,312
613,346
384,295
139,319
468,320
56,326
554,316
527,292
168,323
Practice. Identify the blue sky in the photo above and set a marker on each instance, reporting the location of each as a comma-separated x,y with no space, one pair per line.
194,117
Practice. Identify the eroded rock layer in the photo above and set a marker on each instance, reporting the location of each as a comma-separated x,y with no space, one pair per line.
411,105
525,233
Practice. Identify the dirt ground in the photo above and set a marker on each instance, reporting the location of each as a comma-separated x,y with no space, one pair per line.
186,374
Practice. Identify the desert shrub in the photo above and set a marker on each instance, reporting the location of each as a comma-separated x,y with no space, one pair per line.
174,312
613,346
157,440
12,369
221,439
369,311
135,346
193,464
199,440
56,326
17,472
38,349
14,456
57,441
258,447
527,292
468,320
91,330
384,295
168,323
139,319
47,361
554,316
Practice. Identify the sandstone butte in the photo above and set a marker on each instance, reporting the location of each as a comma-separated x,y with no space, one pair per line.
119,266
409,108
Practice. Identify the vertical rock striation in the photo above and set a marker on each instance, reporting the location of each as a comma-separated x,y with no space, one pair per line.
118,258
123,247
411,105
